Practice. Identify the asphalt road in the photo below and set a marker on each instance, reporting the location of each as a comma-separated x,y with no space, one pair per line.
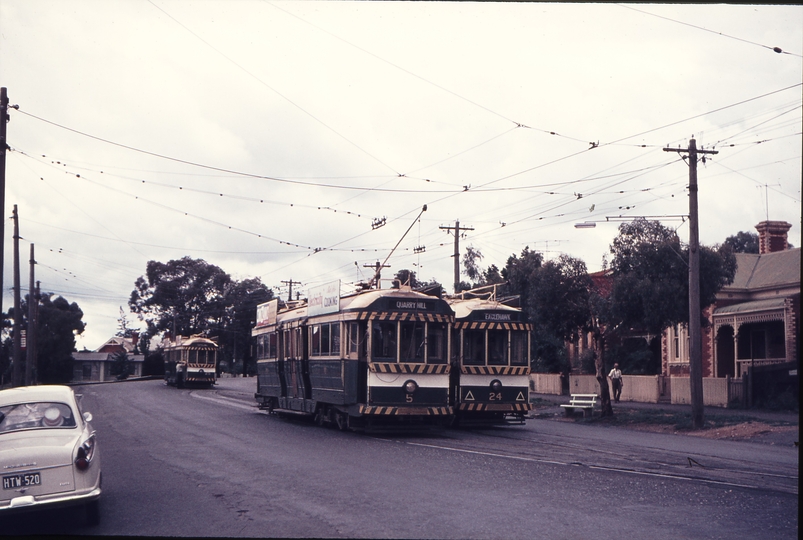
208,463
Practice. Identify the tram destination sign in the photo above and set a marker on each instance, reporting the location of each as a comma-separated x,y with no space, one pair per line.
324,299
496,316
408,304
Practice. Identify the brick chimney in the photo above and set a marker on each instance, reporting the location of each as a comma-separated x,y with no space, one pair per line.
772,236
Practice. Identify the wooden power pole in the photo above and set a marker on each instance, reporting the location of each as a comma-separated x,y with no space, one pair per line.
3,147
17,355
30,345
457,229
291,283
695,325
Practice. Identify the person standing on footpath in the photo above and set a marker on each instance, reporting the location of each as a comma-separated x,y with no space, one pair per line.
616,381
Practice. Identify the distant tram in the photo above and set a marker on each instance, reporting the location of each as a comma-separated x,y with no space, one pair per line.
490,362
371,360
190,361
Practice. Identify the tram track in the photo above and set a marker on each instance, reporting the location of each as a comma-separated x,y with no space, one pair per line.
615,457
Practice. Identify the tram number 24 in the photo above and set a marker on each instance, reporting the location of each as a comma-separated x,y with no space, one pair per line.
495,396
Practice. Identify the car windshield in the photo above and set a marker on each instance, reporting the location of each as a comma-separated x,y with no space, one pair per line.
37,415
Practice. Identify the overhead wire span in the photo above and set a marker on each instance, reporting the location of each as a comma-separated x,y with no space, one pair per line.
271,88
774,49
201,191
408,72
228,171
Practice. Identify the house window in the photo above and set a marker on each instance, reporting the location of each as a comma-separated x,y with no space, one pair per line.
678,337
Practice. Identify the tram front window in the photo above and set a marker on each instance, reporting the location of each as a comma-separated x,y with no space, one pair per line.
474,348
518,349
412,342
383,341
436,344
497,347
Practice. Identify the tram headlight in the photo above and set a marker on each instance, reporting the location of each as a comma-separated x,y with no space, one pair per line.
496,385
410,387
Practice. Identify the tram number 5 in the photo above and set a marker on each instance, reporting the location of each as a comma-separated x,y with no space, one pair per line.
409,398
495,396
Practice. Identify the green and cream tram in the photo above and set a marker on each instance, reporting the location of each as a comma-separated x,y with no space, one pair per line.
369,360
490,362
190,361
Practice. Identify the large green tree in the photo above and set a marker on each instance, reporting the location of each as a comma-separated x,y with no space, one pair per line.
651,277
241,299
185,295
743,242
191,296
58,323
554,295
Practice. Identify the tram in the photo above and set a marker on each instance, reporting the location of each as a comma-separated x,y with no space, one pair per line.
190,361
371,360
490,361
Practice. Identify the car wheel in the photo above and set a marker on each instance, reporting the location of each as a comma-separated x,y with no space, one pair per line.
93,513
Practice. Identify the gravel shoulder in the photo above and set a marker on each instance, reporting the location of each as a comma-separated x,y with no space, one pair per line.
754,425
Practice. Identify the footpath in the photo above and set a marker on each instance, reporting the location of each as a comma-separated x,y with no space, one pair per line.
754,425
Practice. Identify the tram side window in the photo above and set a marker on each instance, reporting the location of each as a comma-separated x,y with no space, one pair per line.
497,347
436,344
335,335
273,348
474,347
383,340
326,345
288,344
518,349
354,337
316,340
412,342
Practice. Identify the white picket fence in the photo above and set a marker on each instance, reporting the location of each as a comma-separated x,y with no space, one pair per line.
717,392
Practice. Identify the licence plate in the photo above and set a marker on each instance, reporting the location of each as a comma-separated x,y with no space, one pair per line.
22,480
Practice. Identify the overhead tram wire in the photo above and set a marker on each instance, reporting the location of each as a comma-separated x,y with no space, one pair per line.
774,49
229,171
408,72
260,81
201,191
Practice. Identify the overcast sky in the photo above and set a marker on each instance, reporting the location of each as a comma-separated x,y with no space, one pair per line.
269,137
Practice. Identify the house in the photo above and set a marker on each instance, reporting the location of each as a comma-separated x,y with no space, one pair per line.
96,365
755,320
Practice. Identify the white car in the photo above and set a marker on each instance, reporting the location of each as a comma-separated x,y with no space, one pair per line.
48,451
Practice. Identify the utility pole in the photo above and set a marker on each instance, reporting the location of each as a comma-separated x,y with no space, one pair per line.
30,356
3,147
695,325
457,229
291,283
377,273
17,357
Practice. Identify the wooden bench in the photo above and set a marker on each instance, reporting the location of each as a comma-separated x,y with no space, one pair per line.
585,402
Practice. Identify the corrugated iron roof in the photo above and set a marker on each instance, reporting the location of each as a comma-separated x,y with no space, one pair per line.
755,305
761,271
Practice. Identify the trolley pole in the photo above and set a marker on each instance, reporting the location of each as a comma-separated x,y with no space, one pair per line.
457,229
695,325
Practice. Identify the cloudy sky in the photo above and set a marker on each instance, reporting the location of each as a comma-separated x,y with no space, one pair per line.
271,138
